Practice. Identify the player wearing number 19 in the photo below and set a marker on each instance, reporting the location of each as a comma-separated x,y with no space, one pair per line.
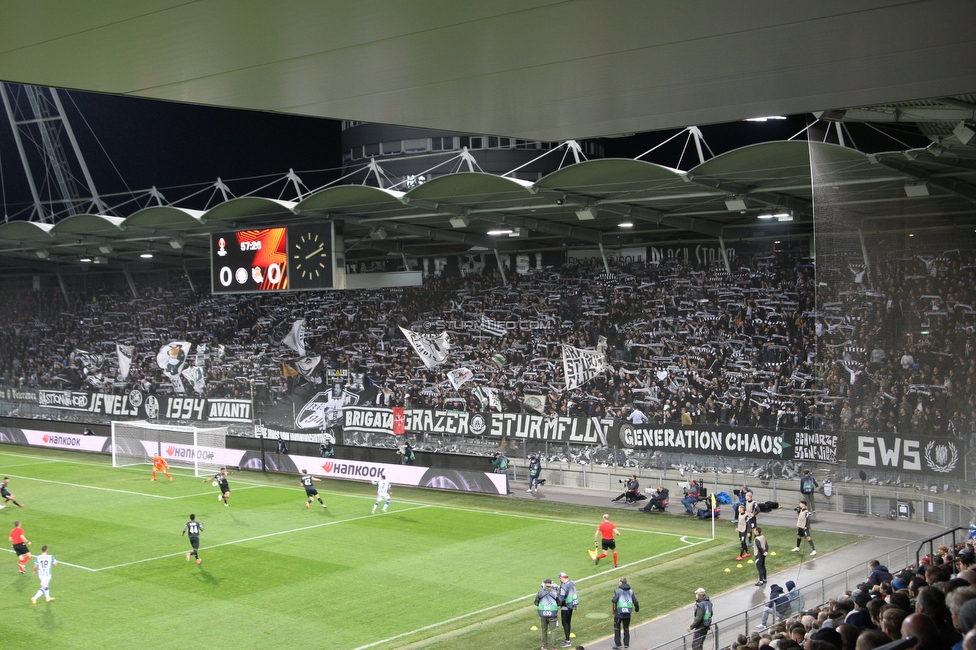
193,529
310,491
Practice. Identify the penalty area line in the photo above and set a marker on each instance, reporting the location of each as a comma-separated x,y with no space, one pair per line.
256,537
461,617
92,487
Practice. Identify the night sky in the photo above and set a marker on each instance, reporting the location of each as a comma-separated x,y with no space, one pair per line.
136,143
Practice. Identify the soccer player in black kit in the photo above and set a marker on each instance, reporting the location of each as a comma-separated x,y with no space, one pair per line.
221,479
194,528
310,490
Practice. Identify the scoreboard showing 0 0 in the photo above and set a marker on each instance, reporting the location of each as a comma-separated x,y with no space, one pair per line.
250,261
296,258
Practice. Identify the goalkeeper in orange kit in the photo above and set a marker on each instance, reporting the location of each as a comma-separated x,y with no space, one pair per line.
159,465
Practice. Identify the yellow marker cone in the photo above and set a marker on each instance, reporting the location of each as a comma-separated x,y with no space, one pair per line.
738,566
750,561
728,570
572,635
534,628
772,552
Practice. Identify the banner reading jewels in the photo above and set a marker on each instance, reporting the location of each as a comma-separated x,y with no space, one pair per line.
136,405
905,453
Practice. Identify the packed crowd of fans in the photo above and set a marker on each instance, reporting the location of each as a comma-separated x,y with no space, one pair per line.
773,344
934,602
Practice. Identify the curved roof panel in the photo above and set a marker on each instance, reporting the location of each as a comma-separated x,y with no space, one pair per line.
19,231
89,224
165,218
476,190
353,199
250,207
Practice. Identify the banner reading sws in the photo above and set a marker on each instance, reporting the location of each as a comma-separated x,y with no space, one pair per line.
900,453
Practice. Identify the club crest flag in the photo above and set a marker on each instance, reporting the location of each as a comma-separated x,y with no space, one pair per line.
581,366
125,353
433,350
171,358
306,366
535,402
459,376
295,339
194,375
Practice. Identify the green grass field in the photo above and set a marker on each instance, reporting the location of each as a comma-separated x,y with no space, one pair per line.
439,570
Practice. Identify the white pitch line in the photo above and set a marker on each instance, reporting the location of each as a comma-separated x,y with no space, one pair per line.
93,487
211,492
545,519
251,539
40,462
73,566
516,600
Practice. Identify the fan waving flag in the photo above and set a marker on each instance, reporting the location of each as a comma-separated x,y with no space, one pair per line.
295,339
433,350
171,358
581,366
125,353
459,376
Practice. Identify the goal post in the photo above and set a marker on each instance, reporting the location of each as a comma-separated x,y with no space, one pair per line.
135,442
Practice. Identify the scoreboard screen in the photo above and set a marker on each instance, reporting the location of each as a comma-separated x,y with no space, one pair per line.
250,261
296,258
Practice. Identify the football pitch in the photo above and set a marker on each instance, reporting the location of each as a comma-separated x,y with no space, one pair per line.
438,570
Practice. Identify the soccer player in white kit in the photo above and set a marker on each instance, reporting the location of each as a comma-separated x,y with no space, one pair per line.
42,568
382,492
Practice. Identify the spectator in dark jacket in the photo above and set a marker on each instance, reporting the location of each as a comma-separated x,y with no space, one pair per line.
778,602
878,573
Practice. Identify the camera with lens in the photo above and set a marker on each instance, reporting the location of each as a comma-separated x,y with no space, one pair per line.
737,493
624,480
797,509
542,481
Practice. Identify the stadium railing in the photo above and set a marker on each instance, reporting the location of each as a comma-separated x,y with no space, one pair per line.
724,632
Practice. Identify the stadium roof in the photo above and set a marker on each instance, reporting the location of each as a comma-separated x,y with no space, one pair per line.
582,205
540,70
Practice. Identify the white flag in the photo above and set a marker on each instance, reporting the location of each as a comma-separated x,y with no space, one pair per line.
493,401
194,375
307,365
494,327
90,361
177,385
125,353
433,350
201,358
580,366
459,376
295,339
535,402
171,358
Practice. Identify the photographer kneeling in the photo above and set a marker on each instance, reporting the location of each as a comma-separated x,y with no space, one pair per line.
631,490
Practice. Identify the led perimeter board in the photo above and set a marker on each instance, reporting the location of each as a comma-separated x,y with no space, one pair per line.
296,258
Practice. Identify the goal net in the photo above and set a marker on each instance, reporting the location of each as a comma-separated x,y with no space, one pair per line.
135,443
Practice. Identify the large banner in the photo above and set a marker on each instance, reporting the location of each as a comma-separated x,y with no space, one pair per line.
575,430
136,405
895,452
709,440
